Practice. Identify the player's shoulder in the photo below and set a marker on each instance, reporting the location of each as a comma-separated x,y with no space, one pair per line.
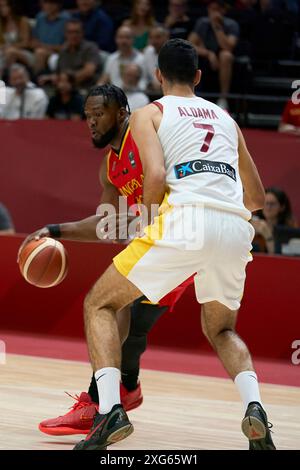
148,111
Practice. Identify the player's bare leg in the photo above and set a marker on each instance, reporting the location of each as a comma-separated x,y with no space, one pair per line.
218,325
100,310
104,345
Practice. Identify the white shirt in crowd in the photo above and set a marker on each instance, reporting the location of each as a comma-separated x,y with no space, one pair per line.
115,63
151,63
137,99
32,104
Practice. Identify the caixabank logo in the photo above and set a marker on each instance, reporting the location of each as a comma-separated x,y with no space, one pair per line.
204,166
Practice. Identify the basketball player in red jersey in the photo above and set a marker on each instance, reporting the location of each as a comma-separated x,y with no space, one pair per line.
107,115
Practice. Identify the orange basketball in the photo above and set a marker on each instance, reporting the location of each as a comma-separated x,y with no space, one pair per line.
44,262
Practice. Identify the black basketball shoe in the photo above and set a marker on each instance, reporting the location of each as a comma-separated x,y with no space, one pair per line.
106,430
256,428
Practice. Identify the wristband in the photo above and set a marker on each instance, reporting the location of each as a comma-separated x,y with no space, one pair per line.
54,230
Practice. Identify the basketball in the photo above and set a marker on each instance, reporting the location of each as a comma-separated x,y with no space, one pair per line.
44,262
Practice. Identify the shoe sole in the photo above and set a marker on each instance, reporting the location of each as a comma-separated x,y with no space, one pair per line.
256,433
63,431
114,437
253,428
120,434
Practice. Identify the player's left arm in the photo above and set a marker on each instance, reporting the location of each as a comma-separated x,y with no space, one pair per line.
142,124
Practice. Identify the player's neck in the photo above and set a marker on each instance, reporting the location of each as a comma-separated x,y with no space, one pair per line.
178,90
116,143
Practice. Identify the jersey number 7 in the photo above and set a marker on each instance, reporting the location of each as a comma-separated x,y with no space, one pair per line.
208,137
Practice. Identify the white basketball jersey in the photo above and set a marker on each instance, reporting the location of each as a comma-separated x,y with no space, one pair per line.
200,144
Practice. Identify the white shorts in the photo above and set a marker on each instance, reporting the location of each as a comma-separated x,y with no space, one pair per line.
215,246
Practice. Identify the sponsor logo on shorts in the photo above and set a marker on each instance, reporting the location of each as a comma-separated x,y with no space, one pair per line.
204,166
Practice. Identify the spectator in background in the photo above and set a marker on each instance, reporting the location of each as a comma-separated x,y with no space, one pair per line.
48,33
177,21
215,38
124,55
290,119
158,36
277,211
23,99
97,25
141,21
6,225
131,75
77,55
14,37
67,103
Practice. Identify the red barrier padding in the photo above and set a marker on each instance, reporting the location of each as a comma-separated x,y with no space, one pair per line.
269,319
49,169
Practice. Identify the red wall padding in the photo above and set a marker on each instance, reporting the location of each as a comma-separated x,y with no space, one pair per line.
49,169
269,319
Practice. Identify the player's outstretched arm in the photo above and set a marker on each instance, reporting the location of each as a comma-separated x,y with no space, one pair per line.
254,193
151,154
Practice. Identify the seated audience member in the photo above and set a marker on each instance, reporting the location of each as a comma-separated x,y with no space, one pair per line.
277,211
6,225
141,21
78,56
177,21
14,37
24,100
215,38
124,55
158,36
48,33
67,103
290,119
131,76
97,25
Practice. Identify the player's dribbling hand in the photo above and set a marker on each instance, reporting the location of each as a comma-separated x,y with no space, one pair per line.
42,233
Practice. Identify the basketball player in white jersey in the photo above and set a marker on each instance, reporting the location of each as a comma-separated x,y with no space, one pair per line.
198,170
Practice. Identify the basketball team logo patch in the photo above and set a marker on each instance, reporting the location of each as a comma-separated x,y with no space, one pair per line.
132,159
204,166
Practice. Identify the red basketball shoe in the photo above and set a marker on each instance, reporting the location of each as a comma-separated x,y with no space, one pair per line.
79,419
131,400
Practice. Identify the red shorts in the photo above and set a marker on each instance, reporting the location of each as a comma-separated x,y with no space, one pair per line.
170,299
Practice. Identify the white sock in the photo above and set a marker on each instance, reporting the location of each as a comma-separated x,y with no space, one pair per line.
108,384
247,385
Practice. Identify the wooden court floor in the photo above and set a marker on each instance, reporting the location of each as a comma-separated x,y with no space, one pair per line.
179,411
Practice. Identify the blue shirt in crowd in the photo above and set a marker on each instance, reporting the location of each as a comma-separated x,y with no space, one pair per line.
98,27
51,32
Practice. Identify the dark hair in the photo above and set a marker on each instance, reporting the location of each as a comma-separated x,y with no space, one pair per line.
178,61
285,217
73,21
110,94
58,2
70,76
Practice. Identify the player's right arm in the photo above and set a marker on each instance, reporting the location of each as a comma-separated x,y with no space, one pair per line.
84,230
254,193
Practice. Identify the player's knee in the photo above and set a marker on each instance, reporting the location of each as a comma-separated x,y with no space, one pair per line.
89,303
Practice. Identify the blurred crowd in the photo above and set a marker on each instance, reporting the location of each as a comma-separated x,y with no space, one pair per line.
52,51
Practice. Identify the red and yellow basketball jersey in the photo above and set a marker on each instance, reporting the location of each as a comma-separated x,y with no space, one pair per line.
124,170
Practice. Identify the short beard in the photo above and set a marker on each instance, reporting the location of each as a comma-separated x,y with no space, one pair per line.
106,139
